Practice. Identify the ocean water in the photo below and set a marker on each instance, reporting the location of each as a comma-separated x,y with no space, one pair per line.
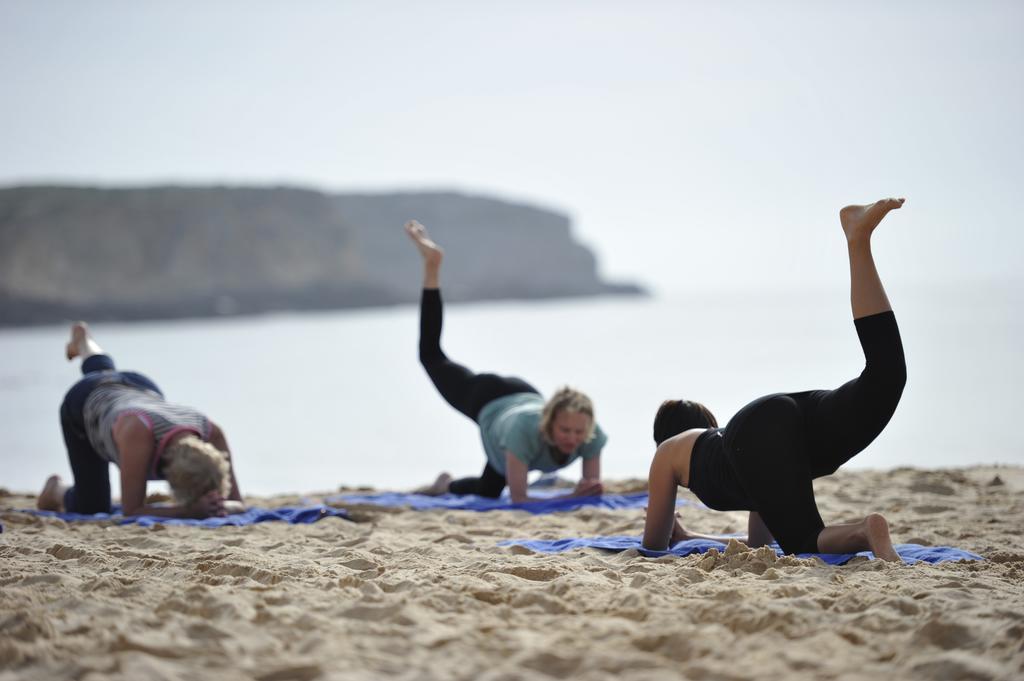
313,401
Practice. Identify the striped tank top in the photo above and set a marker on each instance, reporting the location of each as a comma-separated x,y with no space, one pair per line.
109,402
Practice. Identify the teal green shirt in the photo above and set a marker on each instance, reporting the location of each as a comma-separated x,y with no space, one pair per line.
512,424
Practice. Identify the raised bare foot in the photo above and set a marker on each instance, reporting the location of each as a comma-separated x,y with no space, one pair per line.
79,336
877,531
437,488
431,252
52,496
859,221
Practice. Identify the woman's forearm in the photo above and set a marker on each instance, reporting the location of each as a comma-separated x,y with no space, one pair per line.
657,532
160,511
235,494
220,441
661,503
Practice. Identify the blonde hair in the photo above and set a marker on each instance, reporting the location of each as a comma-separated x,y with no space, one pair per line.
570,400
194,468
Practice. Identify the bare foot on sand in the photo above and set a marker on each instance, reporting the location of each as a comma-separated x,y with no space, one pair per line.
859,221
52,496
877,531
439,486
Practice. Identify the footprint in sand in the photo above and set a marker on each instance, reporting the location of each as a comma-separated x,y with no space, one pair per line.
932,487
226,569
931,509
534,574
955,664
373,613
946,635
150,643
205,632
62,552
302,672
529,599
676,646
26,627
358,562
556,666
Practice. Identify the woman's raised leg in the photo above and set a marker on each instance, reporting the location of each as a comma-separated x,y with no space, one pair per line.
89,470
463,389
430,251
843,422
828,426
867,296
454,381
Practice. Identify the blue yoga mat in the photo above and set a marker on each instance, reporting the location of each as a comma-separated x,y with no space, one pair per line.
910,553
290,514
453,502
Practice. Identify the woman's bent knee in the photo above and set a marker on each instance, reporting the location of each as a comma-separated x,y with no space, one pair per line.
899,376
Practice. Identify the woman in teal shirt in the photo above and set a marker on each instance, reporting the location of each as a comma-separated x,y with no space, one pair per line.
520,430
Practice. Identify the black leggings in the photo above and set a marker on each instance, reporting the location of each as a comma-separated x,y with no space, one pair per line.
779,443
91,491
461,388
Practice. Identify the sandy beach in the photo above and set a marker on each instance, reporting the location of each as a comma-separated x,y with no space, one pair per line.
431,595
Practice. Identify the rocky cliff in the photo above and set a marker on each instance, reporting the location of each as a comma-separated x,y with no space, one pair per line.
163,252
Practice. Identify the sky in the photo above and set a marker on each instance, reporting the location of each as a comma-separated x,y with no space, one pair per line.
693,144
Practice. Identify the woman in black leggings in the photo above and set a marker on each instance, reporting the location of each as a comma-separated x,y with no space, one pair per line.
765,459
520,431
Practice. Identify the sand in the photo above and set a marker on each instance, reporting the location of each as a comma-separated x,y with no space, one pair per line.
430,595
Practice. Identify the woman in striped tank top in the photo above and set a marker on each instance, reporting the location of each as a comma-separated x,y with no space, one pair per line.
121,417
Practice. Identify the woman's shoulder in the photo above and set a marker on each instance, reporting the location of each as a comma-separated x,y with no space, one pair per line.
599,440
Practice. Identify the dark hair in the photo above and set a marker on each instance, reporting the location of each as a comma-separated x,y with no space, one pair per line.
675,416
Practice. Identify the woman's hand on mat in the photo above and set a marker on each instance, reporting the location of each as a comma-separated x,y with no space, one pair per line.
210,504
588,487
679,533
232,507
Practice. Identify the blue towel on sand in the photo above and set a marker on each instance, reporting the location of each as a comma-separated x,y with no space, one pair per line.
910,553
453,502
290,514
